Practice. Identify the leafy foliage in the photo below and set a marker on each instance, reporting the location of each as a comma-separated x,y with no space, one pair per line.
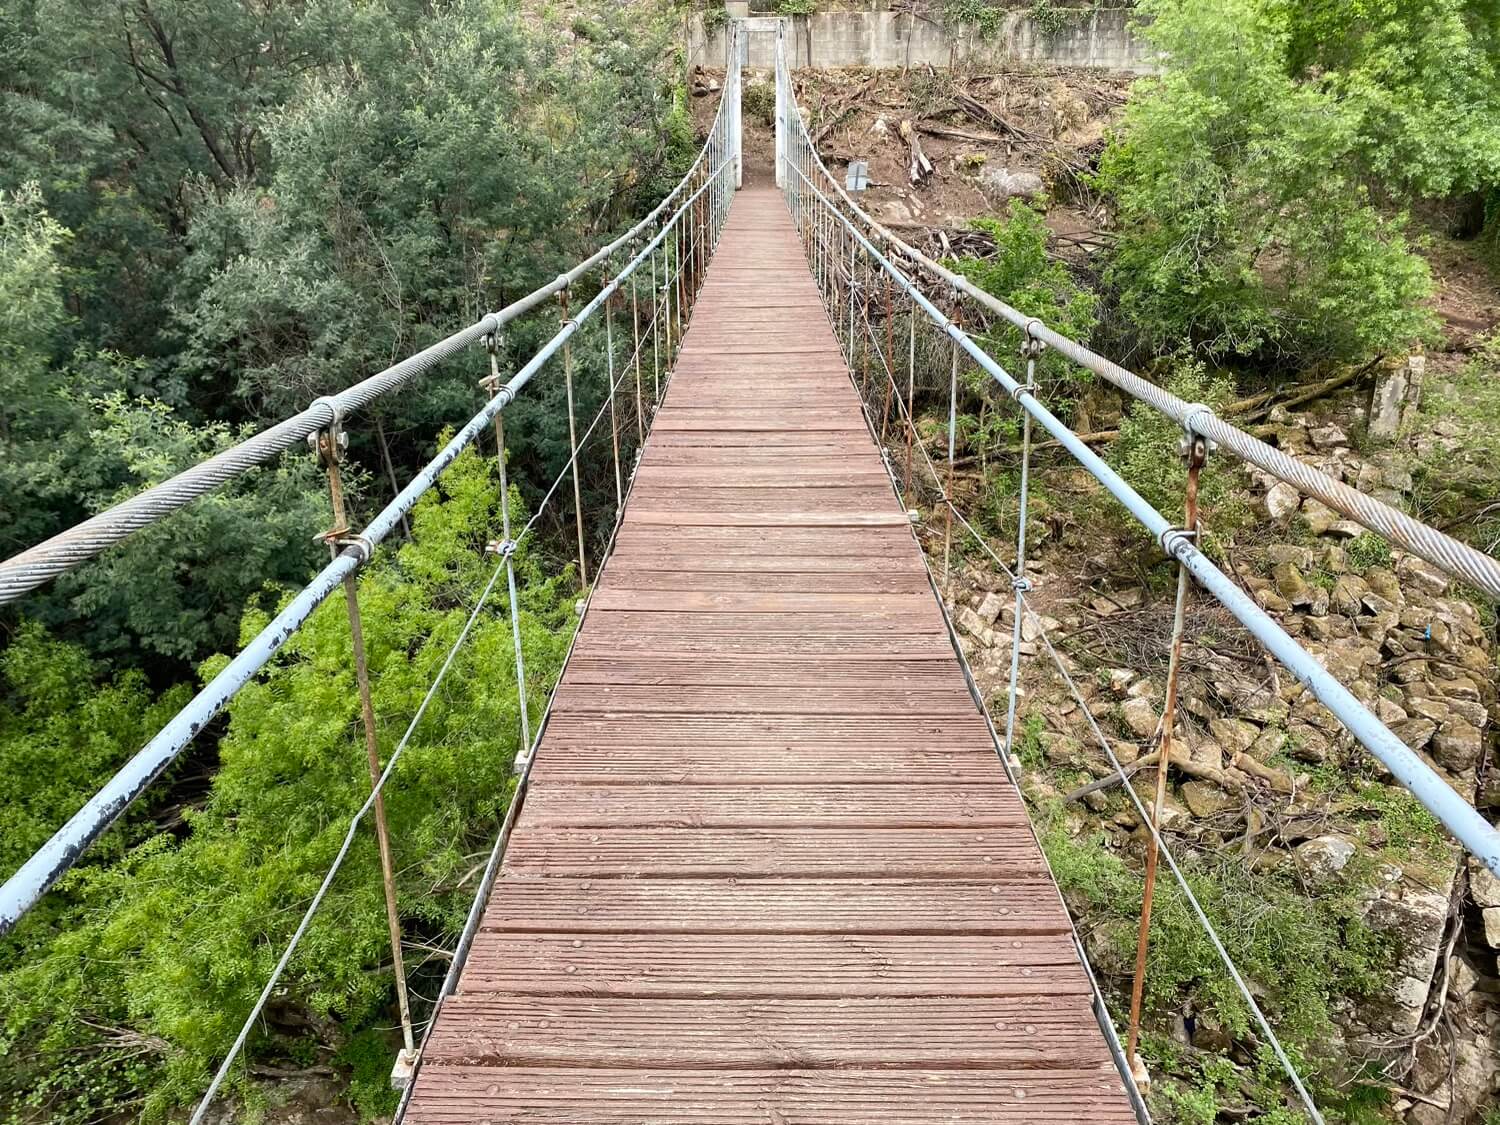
162,953
1301,952
64,724
1246,220
1418,79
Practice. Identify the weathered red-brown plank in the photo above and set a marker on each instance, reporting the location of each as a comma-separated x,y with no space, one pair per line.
768,869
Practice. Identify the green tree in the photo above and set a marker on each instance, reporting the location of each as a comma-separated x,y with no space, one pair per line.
1245,219
138,995
1420,79
64,725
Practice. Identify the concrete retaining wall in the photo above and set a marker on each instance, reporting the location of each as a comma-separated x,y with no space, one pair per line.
878,37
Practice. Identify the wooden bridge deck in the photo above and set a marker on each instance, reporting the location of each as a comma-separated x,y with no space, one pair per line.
769,869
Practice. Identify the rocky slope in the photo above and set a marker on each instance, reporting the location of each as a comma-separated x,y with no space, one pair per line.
1265,780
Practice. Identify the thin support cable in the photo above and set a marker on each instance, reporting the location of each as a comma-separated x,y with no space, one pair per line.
614,422
583,566
379,786
338,861
41,871
952,439
504,549
330,446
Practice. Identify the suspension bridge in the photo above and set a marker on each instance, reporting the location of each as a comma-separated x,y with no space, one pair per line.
767,861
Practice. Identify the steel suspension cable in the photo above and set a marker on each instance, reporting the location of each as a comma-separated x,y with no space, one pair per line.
1434,793
378,788
1031,614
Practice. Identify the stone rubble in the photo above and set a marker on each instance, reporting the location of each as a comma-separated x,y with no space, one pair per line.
1400,637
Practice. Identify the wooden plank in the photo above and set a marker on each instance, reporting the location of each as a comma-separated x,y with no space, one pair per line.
777,806
773,966
999,1032
1013,908
451,1095
791,853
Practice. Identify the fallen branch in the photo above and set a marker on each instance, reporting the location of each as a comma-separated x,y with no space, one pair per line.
981,112
949,133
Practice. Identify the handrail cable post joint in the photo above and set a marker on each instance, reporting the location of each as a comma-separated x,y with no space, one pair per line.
330,446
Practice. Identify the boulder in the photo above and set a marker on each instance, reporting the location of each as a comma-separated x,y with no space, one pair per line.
1491,916
1457,745
1290,584
1423,575
1281,501
1328,437
1385,583
1318,517
990,607
1324,856
1235,734
1205,799
1140,716
972,624
1001,184
1484,885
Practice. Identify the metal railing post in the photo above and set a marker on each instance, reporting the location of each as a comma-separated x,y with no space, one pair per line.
329,445
1031,348
656,297
583,567
1195,447
506,549
635,323
614,424
948,488
911,382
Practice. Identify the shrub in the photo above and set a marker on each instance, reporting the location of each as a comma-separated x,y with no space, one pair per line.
1021,274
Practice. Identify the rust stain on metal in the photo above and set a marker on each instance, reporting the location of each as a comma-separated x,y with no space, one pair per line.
770,869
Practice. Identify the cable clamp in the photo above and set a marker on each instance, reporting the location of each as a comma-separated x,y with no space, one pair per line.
330,443
340,540
1191,420
501,548
1031,346
1021,584
1023,389
1174,538
335,407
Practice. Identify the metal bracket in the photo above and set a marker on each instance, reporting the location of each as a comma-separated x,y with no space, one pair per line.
329,445
1192,427
404,1070
1031,347
1173,536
